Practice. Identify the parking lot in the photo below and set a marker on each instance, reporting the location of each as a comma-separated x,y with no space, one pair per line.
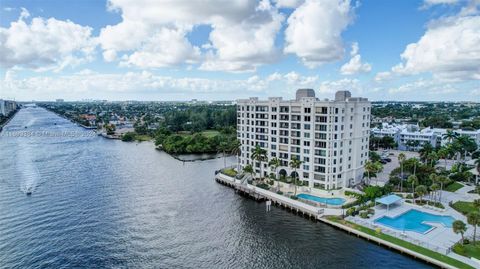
383,177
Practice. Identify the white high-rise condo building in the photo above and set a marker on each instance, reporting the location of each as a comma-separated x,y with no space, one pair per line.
330,137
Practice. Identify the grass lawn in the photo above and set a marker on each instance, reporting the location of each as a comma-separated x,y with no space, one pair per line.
207,133
463,207
424,251
229,172
468,250
454,187
210,133
142,138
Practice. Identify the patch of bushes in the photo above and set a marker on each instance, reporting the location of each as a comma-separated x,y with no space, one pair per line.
293,197
351,211
280,192
364,214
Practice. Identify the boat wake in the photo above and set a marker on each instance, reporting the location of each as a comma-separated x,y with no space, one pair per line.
30,176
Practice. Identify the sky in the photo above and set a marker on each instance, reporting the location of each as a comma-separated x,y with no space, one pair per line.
163,50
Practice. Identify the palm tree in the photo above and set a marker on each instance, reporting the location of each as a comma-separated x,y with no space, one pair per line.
425,150
467,144
432,157
295,164
274,163
237,150
372,168
450,135
401,159
443,154
477,166
259,155
416,163
442,180
421,190
434,187
248,169
459,227
223,147
473,218
412,179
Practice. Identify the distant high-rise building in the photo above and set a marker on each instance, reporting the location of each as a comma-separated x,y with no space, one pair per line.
330,137
7,107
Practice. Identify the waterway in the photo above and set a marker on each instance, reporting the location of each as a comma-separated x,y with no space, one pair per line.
97,202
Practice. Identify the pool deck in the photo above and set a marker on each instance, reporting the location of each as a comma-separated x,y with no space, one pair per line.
439,239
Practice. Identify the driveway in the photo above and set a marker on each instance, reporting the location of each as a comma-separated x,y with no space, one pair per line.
383,177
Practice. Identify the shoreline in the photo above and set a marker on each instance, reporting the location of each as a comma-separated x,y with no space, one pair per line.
321,214
112,137
9,118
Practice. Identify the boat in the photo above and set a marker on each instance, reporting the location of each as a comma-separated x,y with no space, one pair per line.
29,191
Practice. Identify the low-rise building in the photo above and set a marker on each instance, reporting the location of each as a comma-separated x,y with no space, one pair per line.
411,137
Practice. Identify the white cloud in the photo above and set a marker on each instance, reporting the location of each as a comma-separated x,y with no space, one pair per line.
355,65
167,47
288,3
245,45
425,87
382,76
314,31
242,37
44,44
110,55
439,2
146,84
346,84
449,49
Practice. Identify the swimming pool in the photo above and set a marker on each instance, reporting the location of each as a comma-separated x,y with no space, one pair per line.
328,201
414,220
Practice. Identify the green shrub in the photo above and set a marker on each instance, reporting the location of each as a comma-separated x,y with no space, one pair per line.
293,197
280,192
364,214
271,182
459,249
351,211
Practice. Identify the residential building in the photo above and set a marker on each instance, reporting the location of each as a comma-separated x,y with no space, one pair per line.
410,137
330,137
7,107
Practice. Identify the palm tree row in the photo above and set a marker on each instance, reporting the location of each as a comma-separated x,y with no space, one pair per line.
259,156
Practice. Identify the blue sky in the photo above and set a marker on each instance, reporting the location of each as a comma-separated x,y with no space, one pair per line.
179,50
